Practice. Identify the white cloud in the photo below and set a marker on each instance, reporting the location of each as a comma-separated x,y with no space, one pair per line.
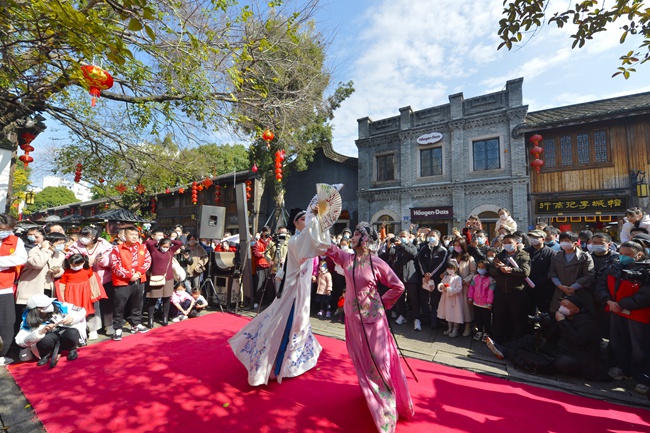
418,52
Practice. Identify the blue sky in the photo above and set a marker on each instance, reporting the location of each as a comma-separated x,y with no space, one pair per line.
418,52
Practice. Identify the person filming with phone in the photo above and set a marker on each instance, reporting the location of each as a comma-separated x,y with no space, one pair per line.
50,327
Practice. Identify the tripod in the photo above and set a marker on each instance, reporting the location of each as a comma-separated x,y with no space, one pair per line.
208,283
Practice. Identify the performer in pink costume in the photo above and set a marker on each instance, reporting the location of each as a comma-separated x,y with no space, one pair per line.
367,334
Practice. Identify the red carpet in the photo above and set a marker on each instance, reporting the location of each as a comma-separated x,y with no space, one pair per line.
184,378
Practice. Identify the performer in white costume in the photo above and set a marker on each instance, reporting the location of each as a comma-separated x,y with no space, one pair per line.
279,341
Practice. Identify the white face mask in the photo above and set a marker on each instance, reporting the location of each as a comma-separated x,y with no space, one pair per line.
77,268
503,217
534,241
164,249
84,241
490,259
566,245
451,271
564,311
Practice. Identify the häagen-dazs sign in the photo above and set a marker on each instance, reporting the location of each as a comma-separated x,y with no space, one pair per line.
430,138
432,213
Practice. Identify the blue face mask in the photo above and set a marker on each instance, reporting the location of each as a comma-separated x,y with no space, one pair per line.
433,240
626,260
480,240
404,240
59,248
5,234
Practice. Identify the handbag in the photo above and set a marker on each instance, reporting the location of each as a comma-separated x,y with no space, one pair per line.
159,280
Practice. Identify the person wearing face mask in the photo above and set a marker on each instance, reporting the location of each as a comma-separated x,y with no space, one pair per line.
628,301
199,262
44,265
162,252
478,246
505,221
98,250
35,236
403,255
50,328
467,271
261,268
571,340
431,260
603,257
551,238
572,272
82,287
540,263
511,301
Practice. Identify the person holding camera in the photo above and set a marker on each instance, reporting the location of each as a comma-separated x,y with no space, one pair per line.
626,291
50,327
569,337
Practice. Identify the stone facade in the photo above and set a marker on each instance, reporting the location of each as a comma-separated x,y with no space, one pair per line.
460,126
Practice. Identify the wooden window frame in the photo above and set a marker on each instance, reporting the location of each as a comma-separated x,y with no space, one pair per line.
576,165
474,142
442,159
376,171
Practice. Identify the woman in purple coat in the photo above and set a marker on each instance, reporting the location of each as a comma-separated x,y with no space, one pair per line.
162,253
367,334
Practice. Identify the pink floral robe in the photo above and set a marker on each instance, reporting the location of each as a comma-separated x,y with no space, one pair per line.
386,391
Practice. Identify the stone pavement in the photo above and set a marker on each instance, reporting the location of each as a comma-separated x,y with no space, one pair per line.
17,416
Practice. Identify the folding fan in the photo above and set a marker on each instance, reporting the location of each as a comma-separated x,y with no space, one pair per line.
328,203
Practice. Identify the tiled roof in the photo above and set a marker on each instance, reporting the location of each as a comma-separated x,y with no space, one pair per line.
580,113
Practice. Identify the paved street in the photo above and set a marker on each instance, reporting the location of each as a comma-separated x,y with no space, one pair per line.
17,416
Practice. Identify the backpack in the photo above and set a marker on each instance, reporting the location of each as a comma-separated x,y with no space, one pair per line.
532,362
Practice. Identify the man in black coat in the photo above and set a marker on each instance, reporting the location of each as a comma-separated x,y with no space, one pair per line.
540,262
431,260
402,256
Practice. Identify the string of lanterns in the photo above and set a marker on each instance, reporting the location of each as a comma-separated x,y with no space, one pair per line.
77,172
27,147
537,163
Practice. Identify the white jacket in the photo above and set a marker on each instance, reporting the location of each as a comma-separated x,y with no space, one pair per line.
28,337
643,223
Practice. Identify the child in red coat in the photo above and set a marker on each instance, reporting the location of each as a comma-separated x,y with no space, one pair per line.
80,286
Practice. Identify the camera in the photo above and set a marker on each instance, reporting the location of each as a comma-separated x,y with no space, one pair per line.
543,319
640,273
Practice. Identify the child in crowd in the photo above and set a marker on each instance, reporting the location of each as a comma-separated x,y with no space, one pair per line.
82,287
481,296
635,221
339,310
324,290
490,254
200,303
182,304
450,307
506,221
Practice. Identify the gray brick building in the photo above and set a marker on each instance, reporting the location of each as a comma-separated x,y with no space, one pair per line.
437,166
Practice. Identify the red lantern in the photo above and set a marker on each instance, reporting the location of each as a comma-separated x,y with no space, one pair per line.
26,159
268,136
153,205
217,194
181,190
249,190
207,183
536,138
537,164
200,187
97,80
26,137
278,177
167,191
254,168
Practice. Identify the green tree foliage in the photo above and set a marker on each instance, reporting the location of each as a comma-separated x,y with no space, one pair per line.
186,70
19,187
52,196
630,17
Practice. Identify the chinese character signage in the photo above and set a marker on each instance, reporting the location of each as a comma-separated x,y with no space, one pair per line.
586,205
432,213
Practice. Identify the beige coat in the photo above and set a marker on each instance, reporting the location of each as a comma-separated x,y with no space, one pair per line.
324,283
37,276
